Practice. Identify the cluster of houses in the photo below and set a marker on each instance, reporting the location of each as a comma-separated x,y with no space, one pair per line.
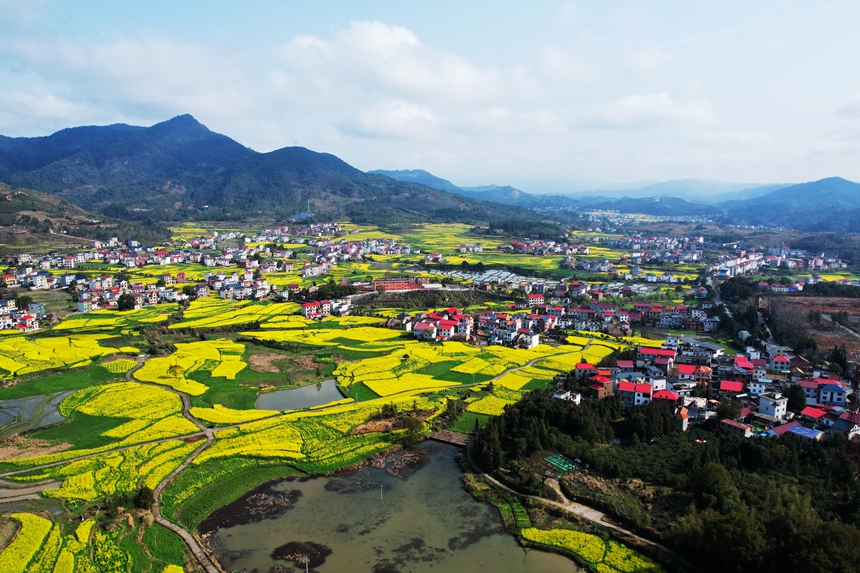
801,259
23,320
103,293
746,263
606,266
692,378
514,330
540,247
606,317
323,308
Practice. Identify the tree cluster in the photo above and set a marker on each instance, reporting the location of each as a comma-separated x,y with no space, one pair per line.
771,505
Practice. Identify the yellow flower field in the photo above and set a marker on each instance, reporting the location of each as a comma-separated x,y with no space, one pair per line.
609,557
120,366
212,312
116,472
489,405
18,555
218,414
189,357
20,355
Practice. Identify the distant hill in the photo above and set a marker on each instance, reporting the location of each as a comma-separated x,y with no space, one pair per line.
29,205
691,190
831,204
506,195
180,170
29,217
421,177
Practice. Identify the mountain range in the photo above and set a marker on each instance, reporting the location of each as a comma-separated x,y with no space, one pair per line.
179,170
831,204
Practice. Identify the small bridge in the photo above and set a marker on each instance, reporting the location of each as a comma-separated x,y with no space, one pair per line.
453,438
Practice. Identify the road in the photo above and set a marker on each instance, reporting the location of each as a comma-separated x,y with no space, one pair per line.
770,338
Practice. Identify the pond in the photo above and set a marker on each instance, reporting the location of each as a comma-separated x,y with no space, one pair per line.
369,520
304,397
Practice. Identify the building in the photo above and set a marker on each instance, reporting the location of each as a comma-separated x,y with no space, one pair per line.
773,404
733,428
806,435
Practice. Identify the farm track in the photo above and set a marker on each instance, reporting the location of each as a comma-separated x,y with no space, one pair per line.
843,327
575,508
196,548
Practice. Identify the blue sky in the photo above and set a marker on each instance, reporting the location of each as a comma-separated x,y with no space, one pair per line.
549,96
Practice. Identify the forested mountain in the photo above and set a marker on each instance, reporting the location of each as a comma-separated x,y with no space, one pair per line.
831,204
181,170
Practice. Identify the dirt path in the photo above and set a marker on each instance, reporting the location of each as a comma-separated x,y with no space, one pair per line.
186,401
843,327
11,493
190,540
586,512
536,360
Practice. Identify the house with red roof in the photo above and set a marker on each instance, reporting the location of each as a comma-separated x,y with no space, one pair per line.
666,398
312,309
780,363
584,370
813,414
686,372
730,387
633,394
534,299
646,356
625,365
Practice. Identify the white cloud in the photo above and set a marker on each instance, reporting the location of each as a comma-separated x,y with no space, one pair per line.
396,118
382,58
851,108
650,110
28,109
648,61
592,90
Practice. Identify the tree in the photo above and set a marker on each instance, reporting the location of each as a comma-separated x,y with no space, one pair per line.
176,370
796,398
160,283
125,302
839,356
730,409
713,486
814,317
22,301
144,499
412,426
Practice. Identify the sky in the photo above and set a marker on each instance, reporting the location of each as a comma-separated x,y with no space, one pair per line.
546,96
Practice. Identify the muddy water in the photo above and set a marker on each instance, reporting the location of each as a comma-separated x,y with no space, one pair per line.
371,521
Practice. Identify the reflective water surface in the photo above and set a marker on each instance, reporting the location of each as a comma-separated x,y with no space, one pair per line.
371,521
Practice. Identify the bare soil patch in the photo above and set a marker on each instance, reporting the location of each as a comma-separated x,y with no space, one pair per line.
265,362
18,446
825,304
